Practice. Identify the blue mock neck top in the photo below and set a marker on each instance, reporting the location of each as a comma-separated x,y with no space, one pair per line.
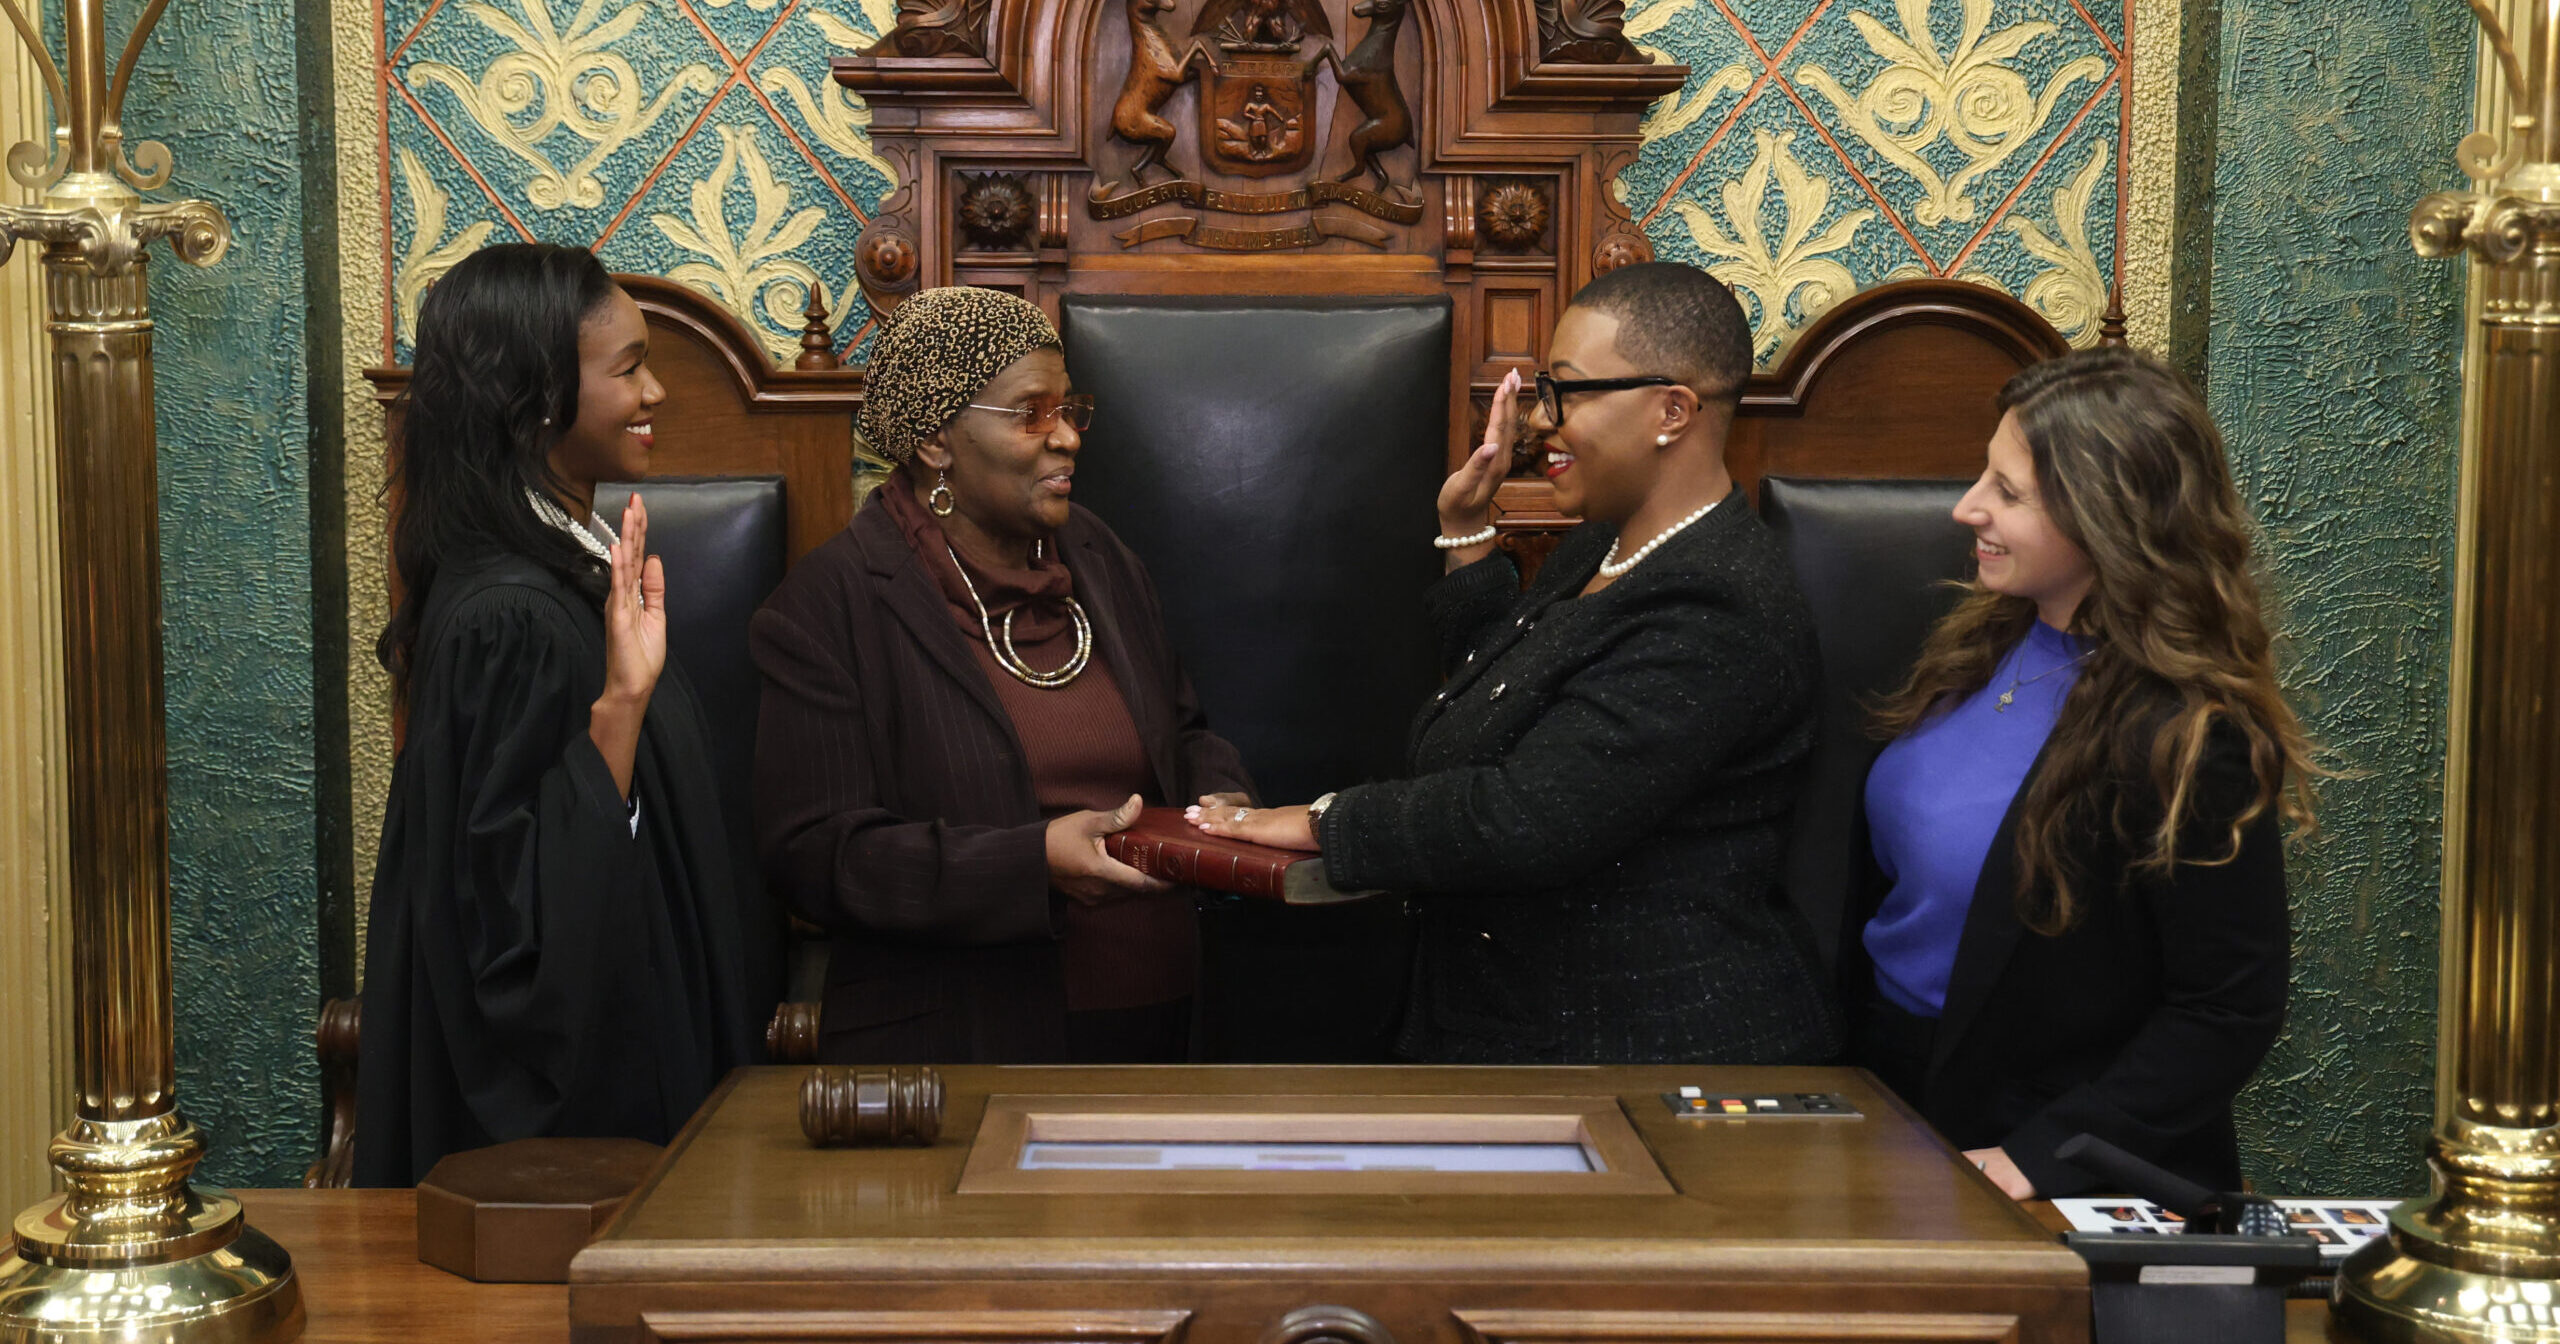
1935,801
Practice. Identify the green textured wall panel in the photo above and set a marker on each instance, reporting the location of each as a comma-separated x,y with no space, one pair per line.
2334,369
217,84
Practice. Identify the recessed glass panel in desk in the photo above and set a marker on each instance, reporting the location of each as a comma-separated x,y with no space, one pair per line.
1302,1158
1282,1144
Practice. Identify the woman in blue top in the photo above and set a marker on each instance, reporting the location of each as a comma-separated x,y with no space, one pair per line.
2080,922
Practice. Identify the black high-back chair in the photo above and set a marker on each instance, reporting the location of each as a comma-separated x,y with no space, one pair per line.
722,540
1274,461
1875,560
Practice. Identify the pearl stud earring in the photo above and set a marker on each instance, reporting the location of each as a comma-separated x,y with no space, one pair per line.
1661,440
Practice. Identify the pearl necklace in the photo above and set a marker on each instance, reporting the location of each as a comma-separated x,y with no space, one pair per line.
549,511
1003,649
1612,567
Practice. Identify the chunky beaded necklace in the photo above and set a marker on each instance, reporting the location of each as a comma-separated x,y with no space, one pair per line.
1612,567
1002,646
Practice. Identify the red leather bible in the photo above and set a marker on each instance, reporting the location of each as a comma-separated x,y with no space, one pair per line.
1161,844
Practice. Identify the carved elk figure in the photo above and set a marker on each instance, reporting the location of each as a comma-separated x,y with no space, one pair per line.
1368,75
1154,73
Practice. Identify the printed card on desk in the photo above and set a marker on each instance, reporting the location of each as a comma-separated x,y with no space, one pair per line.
2339,1225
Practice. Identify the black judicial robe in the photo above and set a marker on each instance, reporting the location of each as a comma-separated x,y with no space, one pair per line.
534,967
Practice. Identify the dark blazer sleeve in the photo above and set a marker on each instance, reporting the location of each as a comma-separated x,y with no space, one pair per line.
1638,731
2225,953
844,860
1466,600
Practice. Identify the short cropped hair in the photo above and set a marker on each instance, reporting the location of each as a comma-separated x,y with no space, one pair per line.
1678,321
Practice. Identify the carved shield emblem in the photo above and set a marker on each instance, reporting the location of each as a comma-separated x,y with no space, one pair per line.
1254,116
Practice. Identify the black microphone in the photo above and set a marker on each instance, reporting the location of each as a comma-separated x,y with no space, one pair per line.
2204,1210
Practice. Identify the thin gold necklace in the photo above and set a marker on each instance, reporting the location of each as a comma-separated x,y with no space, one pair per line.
2011,694
1002,647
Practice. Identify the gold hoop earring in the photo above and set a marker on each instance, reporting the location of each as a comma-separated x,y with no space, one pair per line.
940,499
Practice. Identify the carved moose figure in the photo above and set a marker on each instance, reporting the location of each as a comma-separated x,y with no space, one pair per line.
1368,75
1154,73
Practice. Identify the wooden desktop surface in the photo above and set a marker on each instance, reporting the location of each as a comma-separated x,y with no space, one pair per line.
356,1254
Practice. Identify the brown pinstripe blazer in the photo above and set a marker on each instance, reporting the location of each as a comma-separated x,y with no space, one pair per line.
894,804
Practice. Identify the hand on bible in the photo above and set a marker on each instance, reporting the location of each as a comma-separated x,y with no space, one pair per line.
635,612
1077,865
1278,827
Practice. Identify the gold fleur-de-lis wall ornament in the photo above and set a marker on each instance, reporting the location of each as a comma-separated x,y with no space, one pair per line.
1796,269
562,77
1970,96
2071,291
750,268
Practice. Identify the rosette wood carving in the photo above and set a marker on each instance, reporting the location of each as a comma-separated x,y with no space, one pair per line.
995,211
1513,215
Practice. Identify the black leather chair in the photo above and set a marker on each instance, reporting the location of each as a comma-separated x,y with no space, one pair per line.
722,538
1876,560
1275,461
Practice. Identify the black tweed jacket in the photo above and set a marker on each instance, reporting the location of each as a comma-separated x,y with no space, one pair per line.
1599,810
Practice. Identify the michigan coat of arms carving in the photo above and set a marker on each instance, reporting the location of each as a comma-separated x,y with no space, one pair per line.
1256,65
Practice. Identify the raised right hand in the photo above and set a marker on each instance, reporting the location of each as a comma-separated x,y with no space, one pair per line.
1466,498
1077,865
635,612
635,645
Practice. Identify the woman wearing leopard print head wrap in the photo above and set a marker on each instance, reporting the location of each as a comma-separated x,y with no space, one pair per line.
964,691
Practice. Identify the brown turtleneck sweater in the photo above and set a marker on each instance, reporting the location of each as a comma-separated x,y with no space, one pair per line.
1084,753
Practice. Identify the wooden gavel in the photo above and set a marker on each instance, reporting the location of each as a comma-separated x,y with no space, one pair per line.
842,1106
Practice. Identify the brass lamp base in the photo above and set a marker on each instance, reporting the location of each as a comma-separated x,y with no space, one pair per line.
2387,1296
2477,1260
133,1252
236,1287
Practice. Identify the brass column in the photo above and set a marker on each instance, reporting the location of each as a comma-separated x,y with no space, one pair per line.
2480,1258
130,1251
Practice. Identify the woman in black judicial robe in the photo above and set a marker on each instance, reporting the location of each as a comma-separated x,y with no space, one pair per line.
557,944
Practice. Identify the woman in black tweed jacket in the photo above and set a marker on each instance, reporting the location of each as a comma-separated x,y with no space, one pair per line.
1600,794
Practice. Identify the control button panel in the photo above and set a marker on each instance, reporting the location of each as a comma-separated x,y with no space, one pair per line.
1698,1103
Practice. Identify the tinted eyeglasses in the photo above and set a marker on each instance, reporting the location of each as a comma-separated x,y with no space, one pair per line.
1041,414
1552,391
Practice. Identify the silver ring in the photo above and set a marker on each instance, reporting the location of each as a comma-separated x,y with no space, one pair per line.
1243,812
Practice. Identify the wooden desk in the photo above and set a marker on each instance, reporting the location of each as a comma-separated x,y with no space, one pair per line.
1683,1231
355,1251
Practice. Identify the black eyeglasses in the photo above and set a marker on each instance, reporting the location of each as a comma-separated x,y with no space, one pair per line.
1043,413
1552,391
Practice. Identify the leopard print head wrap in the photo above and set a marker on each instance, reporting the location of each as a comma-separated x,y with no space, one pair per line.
934,352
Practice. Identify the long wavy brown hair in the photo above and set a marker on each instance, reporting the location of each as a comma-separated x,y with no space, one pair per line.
2131,469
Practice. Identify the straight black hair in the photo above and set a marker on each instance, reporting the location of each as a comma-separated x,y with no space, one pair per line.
493,386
